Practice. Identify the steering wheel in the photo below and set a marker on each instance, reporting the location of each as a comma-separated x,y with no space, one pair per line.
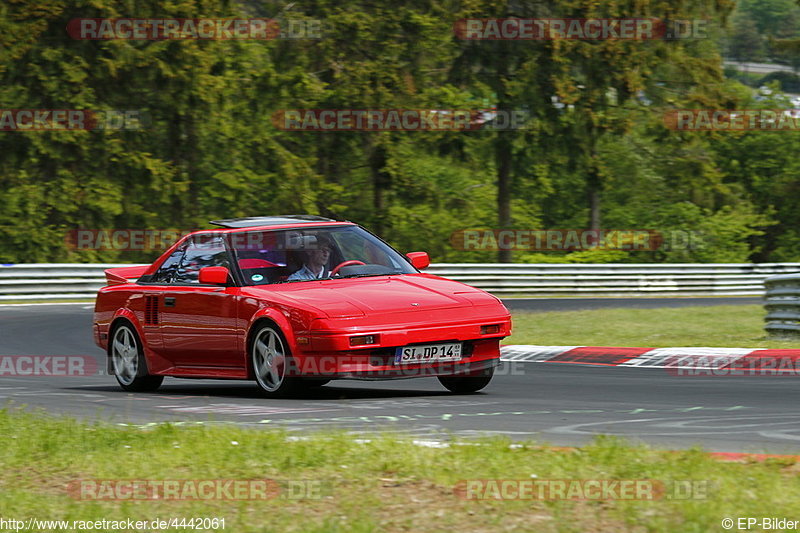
344,264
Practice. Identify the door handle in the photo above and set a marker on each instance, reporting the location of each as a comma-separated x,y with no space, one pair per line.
169,301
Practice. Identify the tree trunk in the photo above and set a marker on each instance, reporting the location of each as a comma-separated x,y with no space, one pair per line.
380,182
594,204
593,183
503,161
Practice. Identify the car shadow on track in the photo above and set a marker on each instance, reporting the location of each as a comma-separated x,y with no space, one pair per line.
248,391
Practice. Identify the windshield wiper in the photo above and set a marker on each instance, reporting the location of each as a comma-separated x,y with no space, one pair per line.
371,275
296,280
395,273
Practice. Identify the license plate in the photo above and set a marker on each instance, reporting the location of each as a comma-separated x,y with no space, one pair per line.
428,353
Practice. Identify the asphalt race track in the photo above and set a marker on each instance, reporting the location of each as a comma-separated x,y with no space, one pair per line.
562,404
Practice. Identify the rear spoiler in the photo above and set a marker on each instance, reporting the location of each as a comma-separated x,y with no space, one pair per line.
118,276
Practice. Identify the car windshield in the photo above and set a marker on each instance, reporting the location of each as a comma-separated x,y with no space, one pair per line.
305,254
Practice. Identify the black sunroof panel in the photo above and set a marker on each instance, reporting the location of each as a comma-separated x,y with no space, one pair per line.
249,222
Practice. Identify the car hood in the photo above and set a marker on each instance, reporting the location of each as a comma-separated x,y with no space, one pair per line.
352,297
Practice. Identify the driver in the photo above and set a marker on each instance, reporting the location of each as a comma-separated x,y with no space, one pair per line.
315,265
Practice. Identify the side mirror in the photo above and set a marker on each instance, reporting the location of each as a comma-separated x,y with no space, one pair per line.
214,276
419,260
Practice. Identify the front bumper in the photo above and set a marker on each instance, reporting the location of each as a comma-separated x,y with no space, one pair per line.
377,364
325,349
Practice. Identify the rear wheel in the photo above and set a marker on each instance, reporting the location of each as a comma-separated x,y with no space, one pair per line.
127,359
273,364
469,383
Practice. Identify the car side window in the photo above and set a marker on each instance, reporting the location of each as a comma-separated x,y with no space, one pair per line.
166,272
202,251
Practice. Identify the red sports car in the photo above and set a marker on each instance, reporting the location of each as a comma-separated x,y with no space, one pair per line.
294,301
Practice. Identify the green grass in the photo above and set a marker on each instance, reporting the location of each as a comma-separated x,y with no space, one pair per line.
385,485
736,326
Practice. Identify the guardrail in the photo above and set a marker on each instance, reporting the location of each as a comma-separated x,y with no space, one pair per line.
678,279
78,281
783,305
52,281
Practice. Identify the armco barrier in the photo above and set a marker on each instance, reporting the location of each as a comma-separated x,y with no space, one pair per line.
783,305
73,281
678,279
52,281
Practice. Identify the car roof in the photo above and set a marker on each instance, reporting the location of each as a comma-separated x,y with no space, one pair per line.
276,220
236,225
288,224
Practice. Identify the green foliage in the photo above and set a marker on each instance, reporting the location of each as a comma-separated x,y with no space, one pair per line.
745,42
211,149
787,81
772,17
592,255
761,30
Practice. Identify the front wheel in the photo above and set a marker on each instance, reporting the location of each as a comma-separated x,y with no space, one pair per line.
273,364
130,366
467,384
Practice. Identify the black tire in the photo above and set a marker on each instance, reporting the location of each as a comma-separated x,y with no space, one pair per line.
467,384
128,362
273,365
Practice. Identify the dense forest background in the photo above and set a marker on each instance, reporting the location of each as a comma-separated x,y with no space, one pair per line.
596,152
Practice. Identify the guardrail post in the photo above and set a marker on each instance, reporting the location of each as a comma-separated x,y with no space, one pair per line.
782,302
